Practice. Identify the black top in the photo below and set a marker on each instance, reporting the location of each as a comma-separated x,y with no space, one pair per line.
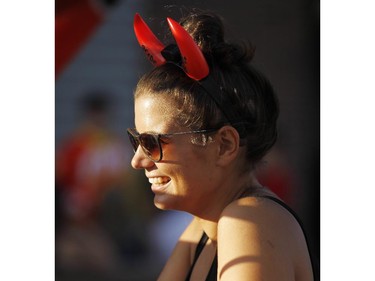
212,274
213,270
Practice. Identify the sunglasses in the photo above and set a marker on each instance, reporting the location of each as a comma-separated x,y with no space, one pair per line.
151,143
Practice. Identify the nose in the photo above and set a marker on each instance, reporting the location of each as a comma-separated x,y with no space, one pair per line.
140,160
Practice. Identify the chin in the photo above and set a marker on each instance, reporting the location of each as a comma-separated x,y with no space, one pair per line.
161,202
164,202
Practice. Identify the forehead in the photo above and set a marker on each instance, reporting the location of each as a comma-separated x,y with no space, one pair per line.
154,114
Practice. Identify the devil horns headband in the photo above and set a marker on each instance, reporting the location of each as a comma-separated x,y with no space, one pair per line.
193,62
189,56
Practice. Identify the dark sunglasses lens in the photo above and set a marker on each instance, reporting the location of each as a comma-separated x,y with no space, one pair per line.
150,146
133,142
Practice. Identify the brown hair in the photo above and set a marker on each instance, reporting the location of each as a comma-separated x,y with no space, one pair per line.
245,93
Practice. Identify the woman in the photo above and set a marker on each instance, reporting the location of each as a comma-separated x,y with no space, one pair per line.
204,119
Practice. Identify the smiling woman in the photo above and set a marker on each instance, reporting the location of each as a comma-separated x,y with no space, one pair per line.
204,119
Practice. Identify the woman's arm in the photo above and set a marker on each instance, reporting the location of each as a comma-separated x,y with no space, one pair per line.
180,260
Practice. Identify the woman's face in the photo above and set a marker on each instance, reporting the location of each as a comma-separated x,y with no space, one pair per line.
185,177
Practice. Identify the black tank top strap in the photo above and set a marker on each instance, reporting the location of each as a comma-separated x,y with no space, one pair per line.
212,274
283,204
200,246
202,242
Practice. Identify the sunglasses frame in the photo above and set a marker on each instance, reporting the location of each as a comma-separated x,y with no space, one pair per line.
135,140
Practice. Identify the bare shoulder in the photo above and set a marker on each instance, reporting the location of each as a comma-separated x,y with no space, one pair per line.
258,237
260,217
260,212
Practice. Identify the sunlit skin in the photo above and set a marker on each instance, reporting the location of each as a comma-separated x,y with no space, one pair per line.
197,183
261,240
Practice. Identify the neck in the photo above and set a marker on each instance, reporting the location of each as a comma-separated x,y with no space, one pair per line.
209,218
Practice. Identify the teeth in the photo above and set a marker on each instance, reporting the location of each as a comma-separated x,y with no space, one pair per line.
159,180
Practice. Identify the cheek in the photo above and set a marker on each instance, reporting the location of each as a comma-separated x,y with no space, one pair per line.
191,163
200,165
202,156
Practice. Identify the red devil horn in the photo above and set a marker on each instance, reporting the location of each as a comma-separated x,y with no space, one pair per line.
148,41
194,63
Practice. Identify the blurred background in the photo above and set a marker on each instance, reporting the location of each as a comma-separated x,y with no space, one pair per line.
107,227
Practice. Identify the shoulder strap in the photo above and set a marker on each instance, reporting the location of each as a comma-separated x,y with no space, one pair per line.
198,251
212,274
289,209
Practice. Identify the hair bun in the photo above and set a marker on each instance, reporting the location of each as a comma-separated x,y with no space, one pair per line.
207,30
228,54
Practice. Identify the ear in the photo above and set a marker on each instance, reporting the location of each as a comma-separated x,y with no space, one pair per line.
228,141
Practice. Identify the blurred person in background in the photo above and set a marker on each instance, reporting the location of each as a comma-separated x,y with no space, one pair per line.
204,120
90,161
95,228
